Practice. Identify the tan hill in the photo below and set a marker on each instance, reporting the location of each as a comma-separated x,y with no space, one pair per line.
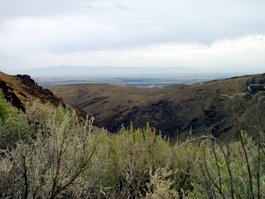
220,107
21,90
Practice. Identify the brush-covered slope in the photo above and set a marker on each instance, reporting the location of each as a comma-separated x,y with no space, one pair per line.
20,90
220,107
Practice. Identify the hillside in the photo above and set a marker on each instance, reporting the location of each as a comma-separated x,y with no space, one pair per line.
47,153
20,90
220,107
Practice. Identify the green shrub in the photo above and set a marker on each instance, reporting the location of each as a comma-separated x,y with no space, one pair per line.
13,124
59,157
6,109
161,185
50,163
125,160
236,170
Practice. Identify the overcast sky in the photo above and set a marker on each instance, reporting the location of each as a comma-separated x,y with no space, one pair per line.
211,35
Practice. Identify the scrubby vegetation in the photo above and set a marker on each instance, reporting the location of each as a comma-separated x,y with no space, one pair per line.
48,153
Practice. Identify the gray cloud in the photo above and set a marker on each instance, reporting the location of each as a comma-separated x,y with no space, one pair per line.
29,8
74,26
103,5
190,19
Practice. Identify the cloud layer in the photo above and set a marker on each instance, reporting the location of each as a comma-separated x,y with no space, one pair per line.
209,34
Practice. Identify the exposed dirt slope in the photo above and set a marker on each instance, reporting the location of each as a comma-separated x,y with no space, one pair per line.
218,107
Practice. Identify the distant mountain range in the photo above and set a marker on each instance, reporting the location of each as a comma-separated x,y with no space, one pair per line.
86,72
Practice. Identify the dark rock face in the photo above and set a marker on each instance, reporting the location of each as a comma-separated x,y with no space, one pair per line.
11,96
26,79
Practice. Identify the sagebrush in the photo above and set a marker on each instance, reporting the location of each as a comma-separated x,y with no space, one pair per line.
48,153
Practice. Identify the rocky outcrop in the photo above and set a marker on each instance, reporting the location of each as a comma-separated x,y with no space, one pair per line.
20,90
11,96
26,79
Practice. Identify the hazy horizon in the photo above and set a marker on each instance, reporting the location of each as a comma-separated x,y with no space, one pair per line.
71,72
210,36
